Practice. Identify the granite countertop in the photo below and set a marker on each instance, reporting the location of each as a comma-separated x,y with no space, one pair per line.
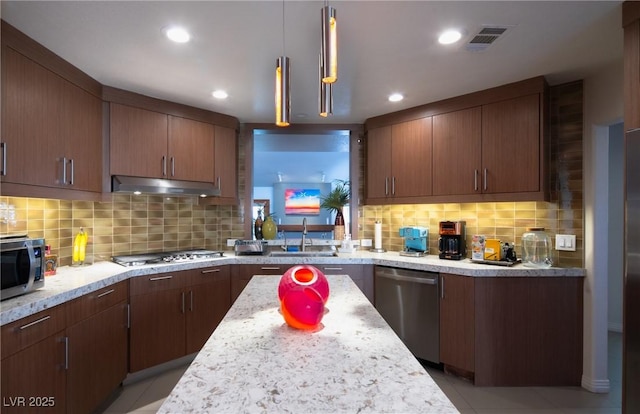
254,362
72,282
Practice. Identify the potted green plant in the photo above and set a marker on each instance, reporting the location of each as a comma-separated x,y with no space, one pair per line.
337,198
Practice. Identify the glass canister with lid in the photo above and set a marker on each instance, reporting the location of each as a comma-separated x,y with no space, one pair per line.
536,248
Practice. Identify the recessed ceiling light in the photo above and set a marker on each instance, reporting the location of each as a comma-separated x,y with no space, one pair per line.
178,34
395,97
449,36
220,94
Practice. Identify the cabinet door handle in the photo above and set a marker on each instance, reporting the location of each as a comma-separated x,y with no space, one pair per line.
72,171
441,287
219,183
386,185
173,167
209,271
128,316
393,185
3,145
66,352
191,301
64,170
154,279
269,268
182,302
108,292
164,166
485,180
37,321
475,180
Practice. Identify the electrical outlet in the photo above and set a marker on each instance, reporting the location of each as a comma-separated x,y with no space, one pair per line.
365,242
566,242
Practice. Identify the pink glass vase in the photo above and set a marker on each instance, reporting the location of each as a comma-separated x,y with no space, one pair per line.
303,292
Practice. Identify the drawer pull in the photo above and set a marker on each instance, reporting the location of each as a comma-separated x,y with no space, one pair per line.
270,268
44,318
332,268
154,279
66,352
108,292
210,271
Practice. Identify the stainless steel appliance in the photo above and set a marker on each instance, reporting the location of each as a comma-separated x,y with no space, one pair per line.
631,330
452,244
165,257
250,247
415,241
21,265
408,300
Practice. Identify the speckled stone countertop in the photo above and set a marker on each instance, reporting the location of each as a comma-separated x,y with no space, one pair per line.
73,282
255,363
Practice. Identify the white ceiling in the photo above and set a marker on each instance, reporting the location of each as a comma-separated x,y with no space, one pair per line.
384,47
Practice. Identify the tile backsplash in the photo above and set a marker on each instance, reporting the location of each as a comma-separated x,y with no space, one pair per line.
505,221
128,224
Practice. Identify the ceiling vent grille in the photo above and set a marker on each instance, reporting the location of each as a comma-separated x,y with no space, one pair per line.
487,36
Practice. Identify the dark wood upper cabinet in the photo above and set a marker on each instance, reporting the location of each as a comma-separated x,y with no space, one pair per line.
511,156
399,161
51,130
145,143
138,141
457,152
485,146
226,155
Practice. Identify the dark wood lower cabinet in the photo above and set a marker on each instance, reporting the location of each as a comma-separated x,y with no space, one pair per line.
34,379
457,326
157,329
209,301
173,314
512,331
98,355
528,331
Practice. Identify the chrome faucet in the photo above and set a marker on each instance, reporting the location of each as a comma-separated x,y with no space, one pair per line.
304,234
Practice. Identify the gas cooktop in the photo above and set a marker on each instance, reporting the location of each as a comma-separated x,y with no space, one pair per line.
165,257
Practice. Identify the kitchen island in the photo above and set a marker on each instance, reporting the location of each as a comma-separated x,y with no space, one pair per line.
254,362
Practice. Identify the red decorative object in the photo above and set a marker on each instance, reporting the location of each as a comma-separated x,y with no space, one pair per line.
304,275
302,308
303,292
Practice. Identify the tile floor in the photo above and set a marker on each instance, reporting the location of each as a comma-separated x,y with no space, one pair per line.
147,395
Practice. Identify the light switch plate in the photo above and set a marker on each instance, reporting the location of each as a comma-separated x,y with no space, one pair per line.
566,242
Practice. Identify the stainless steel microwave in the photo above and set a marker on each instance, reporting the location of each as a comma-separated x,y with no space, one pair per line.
21,265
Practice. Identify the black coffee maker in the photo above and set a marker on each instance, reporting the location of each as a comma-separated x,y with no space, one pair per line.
451,243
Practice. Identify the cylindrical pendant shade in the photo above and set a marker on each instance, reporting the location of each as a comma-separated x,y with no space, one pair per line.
325,94
329,45
283,98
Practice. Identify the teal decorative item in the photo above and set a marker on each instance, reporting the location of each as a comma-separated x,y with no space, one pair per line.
269,228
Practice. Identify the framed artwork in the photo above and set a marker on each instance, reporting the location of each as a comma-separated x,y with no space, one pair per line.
304,202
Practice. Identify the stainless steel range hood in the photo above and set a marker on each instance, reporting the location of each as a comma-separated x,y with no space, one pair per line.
140,185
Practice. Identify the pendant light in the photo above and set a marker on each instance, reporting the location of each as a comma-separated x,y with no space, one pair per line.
329,45
283,92
325,94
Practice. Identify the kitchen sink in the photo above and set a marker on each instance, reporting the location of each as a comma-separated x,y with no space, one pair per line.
304,254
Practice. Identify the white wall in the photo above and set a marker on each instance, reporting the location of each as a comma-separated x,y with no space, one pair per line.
603,97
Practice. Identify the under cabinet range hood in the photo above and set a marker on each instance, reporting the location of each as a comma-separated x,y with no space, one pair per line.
140,185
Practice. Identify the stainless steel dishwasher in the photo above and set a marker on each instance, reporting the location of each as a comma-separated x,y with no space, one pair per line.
408,300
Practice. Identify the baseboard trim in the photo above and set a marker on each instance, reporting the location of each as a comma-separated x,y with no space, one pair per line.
158,369
595,385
